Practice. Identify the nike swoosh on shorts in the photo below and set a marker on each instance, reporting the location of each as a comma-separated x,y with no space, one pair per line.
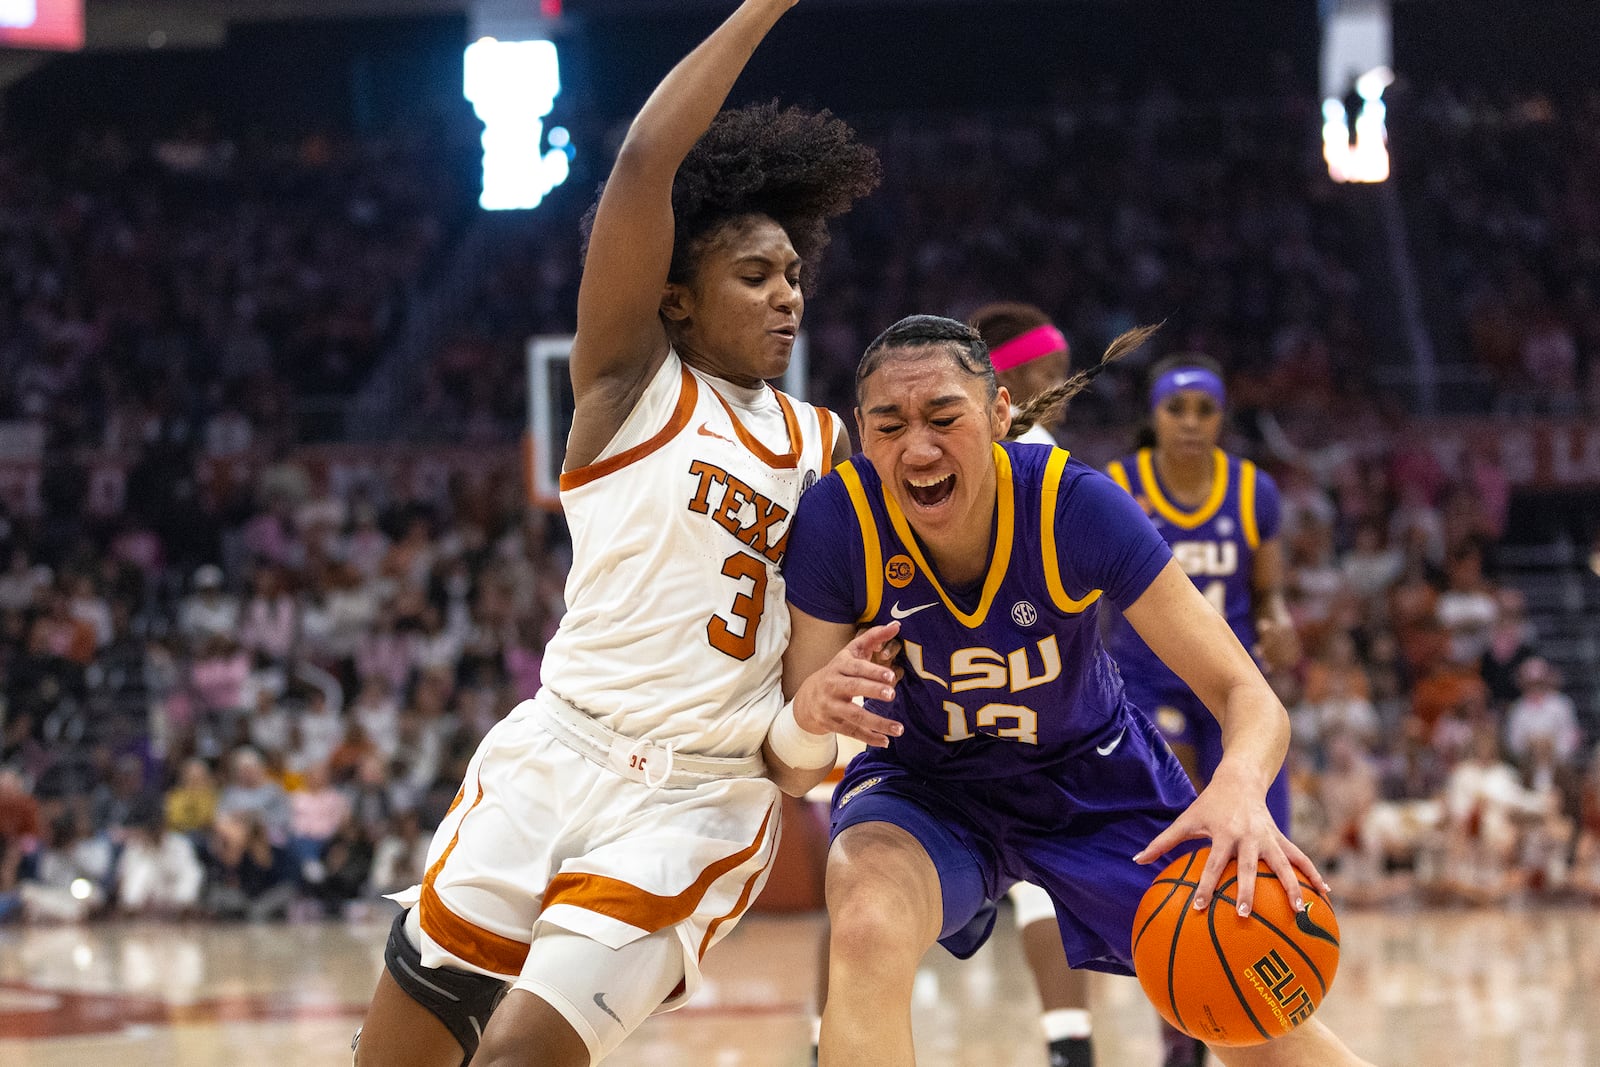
1111,745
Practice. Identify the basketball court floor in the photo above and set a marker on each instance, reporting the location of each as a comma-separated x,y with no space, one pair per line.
1415,989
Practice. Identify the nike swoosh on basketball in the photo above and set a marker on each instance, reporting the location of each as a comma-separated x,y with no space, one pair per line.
898,613
1111,745
706,431
600,999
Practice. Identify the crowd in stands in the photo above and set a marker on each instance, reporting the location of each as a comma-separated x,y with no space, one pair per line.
256,698
1513,186
141,276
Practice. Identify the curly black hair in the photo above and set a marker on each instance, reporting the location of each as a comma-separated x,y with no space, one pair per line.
800,168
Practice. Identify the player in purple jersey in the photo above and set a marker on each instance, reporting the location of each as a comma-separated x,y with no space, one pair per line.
1220,515
1008,750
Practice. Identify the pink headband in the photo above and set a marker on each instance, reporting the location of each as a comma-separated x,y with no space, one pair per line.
1039,341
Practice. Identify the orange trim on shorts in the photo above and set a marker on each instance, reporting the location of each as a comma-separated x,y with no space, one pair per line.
790,459
688,394
627,903
738,907
465,940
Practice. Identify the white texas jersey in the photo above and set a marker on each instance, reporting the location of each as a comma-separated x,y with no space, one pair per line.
676,621
1036,435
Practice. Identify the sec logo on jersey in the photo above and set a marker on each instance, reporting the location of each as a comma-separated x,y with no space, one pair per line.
898,571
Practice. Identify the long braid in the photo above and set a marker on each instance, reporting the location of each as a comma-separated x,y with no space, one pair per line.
1048,405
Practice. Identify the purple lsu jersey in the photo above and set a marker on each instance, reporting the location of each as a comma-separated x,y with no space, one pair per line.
1008,675
1215,544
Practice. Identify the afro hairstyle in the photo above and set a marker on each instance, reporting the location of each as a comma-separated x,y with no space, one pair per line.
800,168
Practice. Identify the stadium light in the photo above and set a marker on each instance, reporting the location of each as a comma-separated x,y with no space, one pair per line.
513,85
18,13
1367,158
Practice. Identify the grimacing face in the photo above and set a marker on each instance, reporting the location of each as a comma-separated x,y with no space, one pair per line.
739,315
929,427
1188,423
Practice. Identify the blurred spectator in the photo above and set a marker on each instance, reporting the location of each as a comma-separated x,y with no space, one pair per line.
401,856
1510,646
1586,854
73,873
269,622
316,812
1467,608
20,830
319,729
344,870
251,794
248,877
116,803
1485,805
1542,711
159,873
191,804
208,612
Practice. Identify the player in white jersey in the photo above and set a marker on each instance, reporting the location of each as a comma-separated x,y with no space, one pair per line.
613,828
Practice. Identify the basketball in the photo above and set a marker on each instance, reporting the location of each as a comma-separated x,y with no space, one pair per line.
1229,980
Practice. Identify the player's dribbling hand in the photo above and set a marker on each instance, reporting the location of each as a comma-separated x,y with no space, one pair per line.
826,702
1235,818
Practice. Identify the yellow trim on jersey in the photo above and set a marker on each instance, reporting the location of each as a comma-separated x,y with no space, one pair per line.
1247,504
870,548
1047,535
1119,474
1005,526
1186,520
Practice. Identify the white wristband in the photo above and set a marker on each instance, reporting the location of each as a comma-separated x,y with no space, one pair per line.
798,747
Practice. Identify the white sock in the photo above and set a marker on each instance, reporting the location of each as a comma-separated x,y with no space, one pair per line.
816,1029
1065,1022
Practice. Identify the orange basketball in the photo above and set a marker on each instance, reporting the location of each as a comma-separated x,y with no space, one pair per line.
1227,980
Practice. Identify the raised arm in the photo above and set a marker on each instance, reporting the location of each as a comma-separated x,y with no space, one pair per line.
1178,624
620,340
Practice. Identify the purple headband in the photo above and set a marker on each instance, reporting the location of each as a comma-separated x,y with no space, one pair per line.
1027,347
1179,379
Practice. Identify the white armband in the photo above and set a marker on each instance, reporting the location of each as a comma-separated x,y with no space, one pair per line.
798,747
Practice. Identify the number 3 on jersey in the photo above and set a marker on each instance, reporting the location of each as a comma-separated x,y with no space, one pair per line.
747,607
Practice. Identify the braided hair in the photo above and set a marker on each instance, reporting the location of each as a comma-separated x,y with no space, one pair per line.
1048,405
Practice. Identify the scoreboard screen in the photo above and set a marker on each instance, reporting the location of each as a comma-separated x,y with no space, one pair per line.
53,24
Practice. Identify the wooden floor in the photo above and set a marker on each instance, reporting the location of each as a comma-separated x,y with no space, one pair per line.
1415,989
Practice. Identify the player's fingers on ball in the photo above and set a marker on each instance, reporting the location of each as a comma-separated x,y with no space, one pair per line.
1245,891
1162,843
1296,858
1288,877
1212,874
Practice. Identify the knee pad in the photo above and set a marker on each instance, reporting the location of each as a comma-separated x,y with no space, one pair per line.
603,993
462,1002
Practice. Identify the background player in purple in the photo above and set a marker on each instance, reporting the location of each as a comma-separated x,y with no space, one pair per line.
1008,750
1220,515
